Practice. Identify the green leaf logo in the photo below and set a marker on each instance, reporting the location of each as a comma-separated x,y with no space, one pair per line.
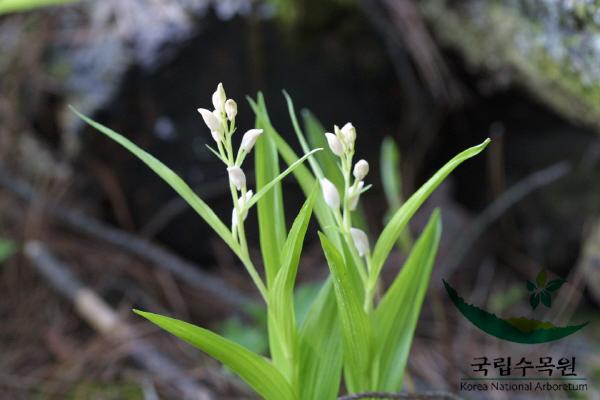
542,291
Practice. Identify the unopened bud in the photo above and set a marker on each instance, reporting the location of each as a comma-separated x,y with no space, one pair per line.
354,195
361,241
217,136
237,177
249,139
211,120
349,133
219,98
231,109
361,169
330,194
335,145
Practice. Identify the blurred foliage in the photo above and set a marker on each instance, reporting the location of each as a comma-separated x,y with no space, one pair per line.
13,6
91,390
252,332
504,299
312,12
391,179
7,249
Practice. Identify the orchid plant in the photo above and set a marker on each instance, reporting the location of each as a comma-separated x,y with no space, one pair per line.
354,336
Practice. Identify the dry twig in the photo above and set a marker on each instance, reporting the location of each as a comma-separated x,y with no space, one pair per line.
106,321
186,271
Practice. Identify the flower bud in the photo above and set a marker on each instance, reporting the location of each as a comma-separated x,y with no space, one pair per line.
237,177
249,139
361,241
361,169
231,109
217,136
335,145
330,194
353,195
349,133
242,201
219,98
211,120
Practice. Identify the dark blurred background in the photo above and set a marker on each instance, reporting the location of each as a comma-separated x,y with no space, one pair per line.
436,76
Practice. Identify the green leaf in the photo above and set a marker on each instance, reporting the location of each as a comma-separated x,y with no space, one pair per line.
541,278
314,165
328,161
390,172
391,179
282,321
396,225
255,370
356,328
279,177
397,314
531,286
271,216
12,6
317,171
321,348
7,249
303,175
534,300
184,191
555,284
546,299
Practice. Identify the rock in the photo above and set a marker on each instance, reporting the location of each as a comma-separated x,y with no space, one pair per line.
550,47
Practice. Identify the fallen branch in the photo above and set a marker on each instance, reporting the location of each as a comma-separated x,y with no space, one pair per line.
186,271
107,322
411,396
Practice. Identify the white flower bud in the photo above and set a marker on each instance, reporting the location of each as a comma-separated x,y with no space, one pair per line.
237,177
361,241
219,98
361,169
231,109
249,139
349,134
211,120
354,195
334,144
217,136
242,201
330,194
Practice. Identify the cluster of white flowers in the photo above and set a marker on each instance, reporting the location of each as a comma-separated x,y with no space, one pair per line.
221,122
341,143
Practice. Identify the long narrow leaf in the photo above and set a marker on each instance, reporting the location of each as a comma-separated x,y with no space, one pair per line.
255,370
171,178
316,169
394,228
282,317
355,324
184,191
315,133
279,177
12,6
305,178
389,167
321,348
271,216
397,314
